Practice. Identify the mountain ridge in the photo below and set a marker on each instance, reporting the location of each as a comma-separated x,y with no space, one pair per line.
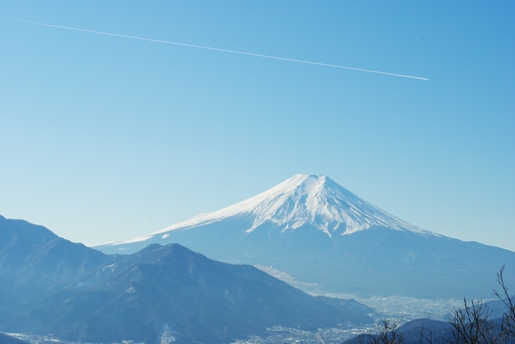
80,294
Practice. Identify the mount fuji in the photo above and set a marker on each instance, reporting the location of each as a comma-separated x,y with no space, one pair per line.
316,233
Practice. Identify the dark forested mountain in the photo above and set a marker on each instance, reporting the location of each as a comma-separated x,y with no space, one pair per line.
34,253
434,331
414,332
318,232
34,262
50,285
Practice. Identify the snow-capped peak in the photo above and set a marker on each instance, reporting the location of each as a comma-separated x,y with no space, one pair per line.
313,200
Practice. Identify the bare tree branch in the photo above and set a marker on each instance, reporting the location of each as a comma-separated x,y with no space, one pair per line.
508,319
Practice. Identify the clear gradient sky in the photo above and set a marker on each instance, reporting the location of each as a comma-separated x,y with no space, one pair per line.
106,138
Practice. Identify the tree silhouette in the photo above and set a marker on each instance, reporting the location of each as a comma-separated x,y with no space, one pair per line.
469,325
508,318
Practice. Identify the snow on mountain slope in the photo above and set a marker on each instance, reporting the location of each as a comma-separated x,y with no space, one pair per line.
321,234
313,200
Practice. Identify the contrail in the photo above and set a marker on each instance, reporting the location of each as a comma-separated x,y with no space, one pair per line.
222,50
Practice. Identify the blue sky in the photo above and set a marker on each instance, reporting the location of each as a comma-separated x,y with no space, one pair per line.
106,138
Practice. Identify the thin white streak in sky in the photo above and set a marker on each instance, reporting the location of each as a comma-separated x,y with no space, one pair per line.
222,50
